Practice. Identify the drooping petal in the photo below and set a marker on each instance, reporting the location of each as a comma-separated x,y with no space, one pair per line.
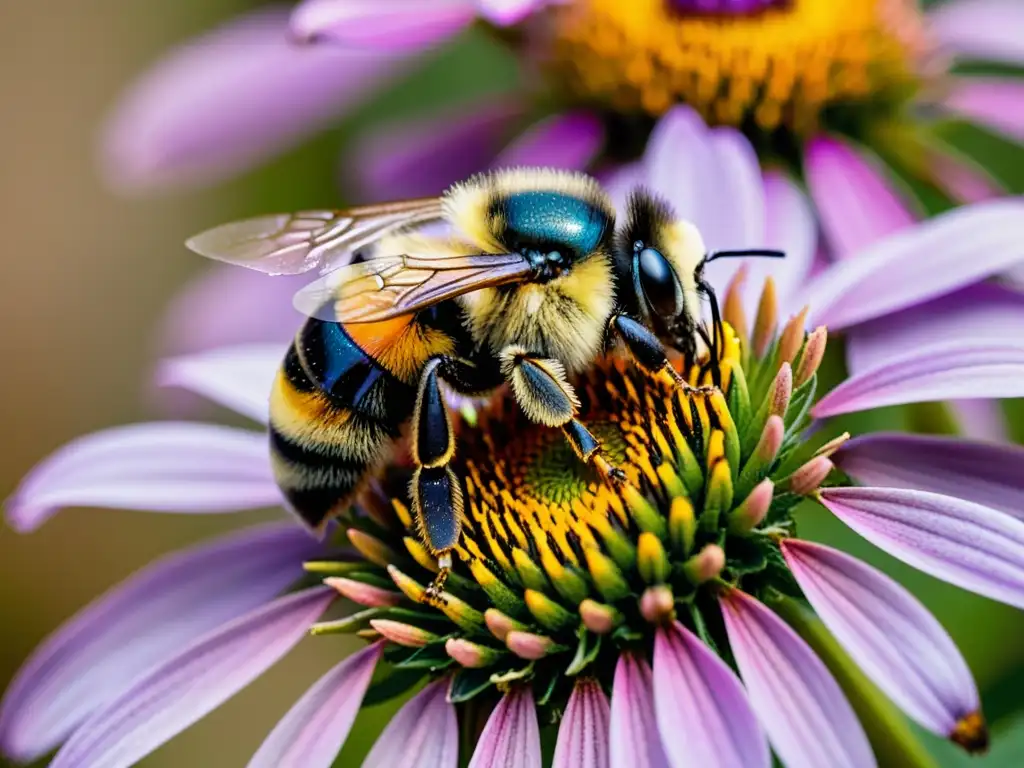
948,371
315,728
958,541
634,738
228,306
388,25
511,736
985,473
857,204
702,710
224,102
239,378
191,683
425,732
583,733
809,722
890,635
157,467
980,29
423,158
996,102
571,141
95,656
979,314
930,259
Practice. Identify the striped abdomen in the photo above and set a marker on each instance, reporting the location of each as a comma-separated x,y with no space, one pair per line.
335,413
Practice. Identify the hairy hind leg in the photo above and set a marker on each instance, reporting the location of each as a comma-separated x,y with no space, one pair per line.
436,491
546,397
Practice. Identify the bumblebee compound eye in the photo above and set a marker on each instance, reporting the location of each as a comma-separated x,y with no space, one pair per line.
658,281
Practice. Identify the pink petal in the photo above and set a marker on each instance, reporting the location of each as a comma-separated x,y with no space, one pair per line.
425,732
957,541
985,473
791,228
386,25
239,378
571,141
857,203
620,181
997,102
228,100
634,738
976,315
703,714
511,736
809,722
980,29
980,419
197,680
228,306
931,259
948,371
891,636
583,733
709,176
964,179
104,649
507,12
157,467
423,158
313,731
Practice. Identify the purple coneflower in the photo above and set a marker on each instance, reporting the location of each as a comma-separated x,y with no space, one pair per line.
895,298
824,92
822,87
664,623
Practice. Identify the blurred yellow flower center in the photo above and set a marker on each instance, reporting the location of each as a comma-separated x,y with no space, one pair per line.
782,66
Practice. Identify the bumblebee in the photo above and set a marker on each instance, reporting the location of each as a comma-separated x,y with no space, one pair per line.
530,284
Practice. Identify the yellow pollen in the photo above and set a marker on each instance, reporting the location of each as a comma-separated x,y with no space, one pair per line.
780,67
550,510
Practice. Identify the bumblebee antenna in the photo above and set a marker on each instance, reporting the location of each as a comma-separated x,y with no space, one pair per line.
704,287
765,253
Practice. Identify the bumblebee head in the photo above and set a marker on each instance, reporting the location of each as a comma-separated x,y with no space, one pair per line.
659,267
658,262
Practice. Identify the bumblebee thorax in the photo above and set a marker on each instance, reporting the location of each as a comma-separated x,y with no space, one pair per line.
563,318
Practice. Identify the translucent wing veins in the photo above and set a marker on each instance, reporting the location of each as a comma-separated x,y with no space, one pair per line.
290,244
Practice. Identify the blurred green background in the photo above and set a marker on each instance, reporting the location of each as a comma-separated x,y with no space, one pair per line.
87,275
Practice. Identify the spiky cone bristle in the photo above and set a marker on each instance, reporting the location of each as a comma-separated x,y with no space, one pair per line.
557,571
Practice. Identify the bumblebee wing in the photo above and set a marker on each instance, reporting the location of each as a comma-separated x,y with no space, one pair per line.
390,286
292,243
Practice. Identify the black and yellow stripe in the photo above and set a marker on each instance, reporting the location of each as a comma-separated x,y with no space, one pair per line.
341,400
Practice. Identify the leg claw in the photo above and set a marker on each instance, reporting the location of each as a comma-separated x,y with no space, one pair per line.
434,594
686,386
611,474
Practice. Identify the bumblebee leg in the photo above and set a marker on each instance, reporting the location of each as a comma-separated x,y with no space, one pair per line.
648,351
435,490
591,452
546,397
